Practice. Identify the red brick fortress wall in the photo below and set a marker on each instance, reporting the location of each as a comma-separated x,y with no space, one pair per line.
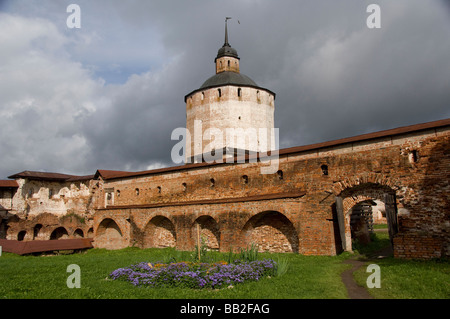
294,209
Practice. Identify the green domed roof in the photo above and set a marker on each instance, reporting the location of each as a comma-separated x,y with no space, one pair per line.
228,78
227,50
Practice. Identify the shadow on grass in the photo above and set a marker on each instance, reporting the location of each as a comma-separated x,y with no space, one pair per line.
379,247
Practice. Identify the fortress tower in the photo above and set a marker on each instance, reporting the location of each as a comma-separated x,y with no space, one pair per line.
229,113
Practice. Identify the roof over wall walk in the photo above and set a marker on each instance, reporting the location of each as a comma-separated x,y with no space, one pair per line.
56,177
8,184
108,174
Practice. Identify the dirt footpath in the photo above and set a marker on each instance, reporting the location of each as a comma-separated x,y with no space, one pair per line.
354,290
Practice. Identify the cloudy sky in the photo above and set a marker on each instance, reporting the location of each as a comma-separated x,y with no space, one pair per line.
109,94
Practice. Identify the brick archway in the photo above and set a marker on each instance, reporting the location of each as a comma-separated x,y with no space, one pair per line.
59,233
37,231
359,193
109,235
78,233
209,232
345,184
160,233
272,232
21,235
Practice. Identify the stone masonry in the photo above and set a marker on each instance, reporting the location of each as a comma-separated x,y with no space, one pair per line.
234,205
294,209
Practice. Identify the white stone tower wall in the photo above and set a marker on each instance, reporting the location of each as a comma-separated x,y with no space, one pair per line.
252,108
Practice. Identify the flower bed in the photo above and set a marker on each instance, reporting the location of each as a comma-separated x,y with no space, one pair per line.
194,275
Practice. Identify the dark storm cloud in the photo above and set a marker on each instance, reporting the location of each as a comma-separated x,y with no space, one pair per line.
333,76
134,130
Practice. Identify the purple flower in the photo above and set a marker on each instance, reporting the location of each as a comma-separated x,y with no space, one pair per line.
189,275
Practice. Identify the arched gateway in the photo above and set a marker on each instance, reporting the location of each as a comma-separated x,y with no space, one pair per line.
354,212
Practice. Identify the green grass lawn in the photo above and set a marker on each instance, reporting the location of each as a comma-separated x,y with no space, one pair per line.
308,277
409,279
405,279
46,276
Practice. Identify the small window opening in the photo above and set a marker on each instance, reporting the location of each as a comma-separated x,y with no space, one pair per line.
239,92
50,193
280,174
36,230
118,193
184,187
324,169
159,189
21,235
414,156
220,92
245,179
228,63
203,96
213,182
137,191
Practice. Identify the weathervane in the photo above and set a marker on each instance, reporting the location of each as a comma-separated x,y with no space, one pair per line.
226,30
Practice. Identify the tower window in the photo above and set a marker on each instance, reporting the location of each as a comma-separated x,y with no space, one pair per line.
245,179
203,96
118,193
228,63
239,92
159,189
184,187
137,191
213,182
324,169
219,91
